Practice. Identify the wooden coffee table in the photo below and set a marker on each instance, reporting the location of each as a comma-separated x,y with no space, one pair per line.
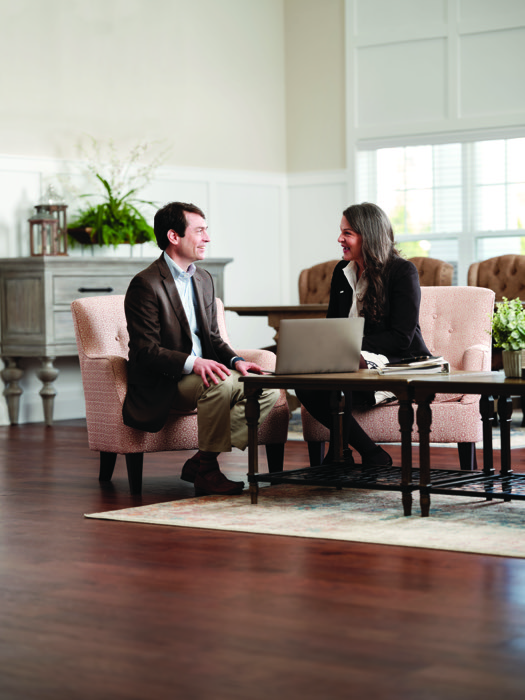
421,389
484,483
337,474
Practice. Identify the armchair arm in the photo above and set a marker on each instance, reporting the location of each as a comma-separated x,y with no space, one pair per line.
105,370
265,358
477,358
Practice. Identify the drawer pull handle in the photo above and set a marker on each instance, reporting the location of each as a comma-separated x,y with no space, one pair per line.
95,289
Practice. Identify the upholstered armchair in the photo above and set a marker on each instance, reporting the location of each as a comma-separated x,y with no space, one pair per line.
314,283
433,272
456,323
504,274
102,341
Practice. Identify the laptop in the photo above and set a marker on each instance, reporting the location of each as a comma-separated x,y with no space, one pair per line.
319,345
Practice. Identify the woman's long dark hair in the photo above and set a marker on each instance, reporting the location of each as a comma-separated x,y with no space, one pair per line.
374,226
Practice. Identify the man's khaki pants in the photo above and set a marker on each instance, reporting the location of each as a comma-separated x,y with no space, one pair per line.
220,408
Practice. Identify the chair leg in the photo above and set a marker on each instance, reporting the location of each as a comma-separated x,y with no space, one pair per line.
523,411
275,457
467,455
107,465
134,462
316,453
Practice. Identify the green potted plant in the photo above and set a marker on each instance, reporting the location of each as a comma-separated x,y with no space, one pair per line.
112,215
508,333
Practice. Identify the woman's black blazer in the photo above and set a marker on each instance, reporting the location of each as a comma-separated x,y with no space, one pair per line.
398,334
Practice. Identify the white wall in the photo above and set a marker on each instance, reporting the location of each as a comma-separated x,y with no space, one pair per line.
315,85
205,76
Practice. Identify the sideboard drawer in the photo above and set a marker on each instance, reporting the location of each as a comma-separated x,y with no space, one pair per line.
66,288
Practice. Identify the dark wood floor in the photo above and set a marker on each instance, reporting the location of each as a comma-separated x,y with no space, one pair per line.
95,610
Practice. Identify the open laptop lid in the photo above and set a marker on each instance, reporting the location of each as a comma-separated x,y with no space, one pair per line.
315,345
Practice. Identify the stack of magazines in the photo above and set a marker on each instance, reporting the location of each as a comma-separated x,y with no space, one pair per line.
427,364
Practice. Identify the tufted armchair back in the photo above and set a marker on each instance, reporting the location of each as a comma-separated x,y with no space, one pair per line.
314,283
433,272
110,335
456,323
505,274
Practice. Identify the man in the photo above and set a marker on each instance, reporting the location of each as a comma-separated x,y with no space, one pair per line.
177,359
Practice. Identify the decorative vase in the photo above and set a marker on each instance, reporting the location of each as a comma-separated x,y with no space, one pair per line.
512,362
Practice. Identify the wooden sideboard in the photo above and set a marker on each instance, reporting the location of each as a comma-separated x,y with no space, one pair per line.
35,315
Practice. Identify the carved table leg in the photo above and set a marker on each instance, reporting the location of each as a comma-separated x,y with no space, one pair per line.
11,375
337,408
505,416
424,421
253,411
486,408
406,420
47,375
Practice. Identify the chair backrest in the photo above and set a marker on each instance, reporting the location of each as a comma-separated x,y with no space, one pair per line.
504,274
100,325
433,272
221,320
101,328
314,283
455,318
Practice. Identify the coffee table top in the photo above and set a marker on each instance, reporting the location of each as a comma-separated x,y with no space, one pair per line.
402,385
469,383
362,380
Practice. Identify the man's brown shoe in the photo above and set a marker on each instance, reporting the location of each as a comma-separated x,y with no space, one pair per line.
190,468
213,481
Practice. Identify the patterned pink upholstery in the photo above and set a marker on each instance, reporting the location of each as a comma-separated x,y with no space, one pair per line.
102,341
456,323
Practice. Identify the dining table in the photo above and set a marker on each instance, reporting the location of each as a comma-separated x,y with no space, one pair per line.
276,314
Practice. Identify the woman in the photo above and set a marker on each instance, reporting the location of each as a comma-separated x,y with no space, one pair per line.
373,281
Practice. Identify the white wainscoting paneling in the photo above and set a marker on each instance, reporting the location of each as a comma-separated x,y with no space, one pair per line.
401,83
491,73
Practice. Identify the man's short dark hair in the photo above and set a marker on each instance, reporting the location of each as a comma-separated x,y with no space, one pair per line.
172,216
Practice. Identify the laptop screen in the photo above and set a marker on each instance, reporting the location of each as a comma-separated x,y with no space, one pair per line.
319,345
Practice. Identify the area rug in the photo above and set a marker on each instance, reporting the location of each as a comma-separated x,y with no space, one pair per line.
455,523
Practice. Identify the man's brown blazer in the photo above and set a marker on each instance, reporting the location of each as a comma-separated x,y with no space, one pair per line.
160,341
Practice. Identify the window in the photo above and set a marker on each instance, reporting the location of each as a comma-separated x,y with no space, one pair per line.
459,202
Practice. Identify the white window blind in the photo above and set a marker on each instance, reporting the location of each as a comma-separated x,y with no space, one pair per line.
459,202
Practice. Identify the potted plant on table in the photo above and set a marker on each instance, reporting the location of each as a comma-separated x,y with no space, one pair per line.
508,333
113,216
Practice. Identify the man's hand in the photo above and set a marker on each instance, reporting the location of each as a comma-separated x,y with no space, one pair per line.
210,369
244,367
